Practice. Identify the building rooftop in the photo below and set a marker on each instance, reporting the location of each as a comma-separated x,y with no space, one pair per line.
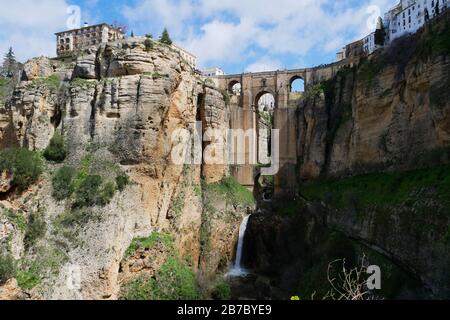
90,26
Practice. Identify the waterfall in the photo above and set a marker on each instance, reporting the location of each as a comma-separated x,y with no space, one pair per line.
237,270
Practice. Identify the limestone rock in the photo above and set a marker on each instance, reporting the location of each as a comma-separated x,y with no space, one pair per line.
85,67
37,68
6,179
11,291
121,106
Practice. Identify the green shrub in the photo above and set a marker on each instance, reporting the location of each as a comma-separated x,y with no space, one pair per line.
56,150
381,188
106,194
86,194
367,72
27,279
222,291
7,267
147,243
174,281
16,219
148,43
52,82
72,218
25,165
83,83
36,229
62,183
232,191
140,289
226,97
122,181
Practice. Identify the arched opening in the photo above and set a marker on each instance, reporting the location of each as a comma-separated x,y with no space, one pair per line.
265,122
265,102
235,88
297,85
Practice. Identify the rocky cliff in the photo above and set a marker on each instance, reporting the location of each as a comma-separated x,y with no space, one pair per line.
391,112
373,149
116,108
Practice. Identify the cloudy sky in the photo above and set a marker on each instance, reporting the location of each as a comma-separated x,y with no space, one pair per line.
237,35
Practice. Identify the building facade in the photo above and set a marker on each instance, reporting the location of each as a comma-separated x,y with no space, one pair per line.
406,17
410,15
73,41
186,55
354,49
213,72
369,43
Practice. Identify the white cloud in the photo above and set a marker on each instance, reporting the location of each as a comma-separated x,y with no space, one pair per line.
229,30
222,41
29,26
264,64
217,31
151,14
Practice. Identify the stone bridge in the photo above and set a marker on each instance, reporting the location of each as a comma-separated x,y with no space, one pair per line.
244,115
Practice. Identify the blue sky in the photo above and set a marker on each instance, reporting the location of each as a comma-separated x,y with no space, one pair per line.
237,35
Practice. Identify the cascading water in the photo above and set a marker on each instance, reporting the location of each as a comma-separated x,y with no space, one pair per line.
237,270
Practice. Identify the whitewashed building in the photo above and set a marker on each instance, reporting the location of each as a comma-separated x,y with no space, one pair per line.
369,43
410,15
406,17
213,72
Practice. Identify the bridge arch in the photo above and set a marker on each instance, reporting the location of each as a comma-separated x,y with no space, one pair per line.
235,87
269,97
297,84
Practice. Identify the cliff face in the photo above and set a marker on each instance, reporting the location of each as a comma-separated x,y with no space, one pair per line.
362,135
117,108
391,112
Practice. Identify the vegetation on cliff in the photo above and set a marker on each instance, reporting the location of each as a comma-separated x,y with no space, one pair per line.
25,166
173,280
380,188
94,182
56,151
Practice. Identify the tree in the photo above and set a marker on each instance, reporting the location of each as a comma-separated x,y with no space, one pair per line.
380,34
165,38
9,64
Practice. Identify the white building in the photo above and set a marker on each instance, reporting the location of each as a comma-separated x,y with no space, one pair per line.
406,17
213,72
410,15
187,56
369,43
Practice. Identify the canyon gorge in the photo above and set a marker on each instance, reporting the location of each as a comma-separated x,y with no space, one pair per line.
92,207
